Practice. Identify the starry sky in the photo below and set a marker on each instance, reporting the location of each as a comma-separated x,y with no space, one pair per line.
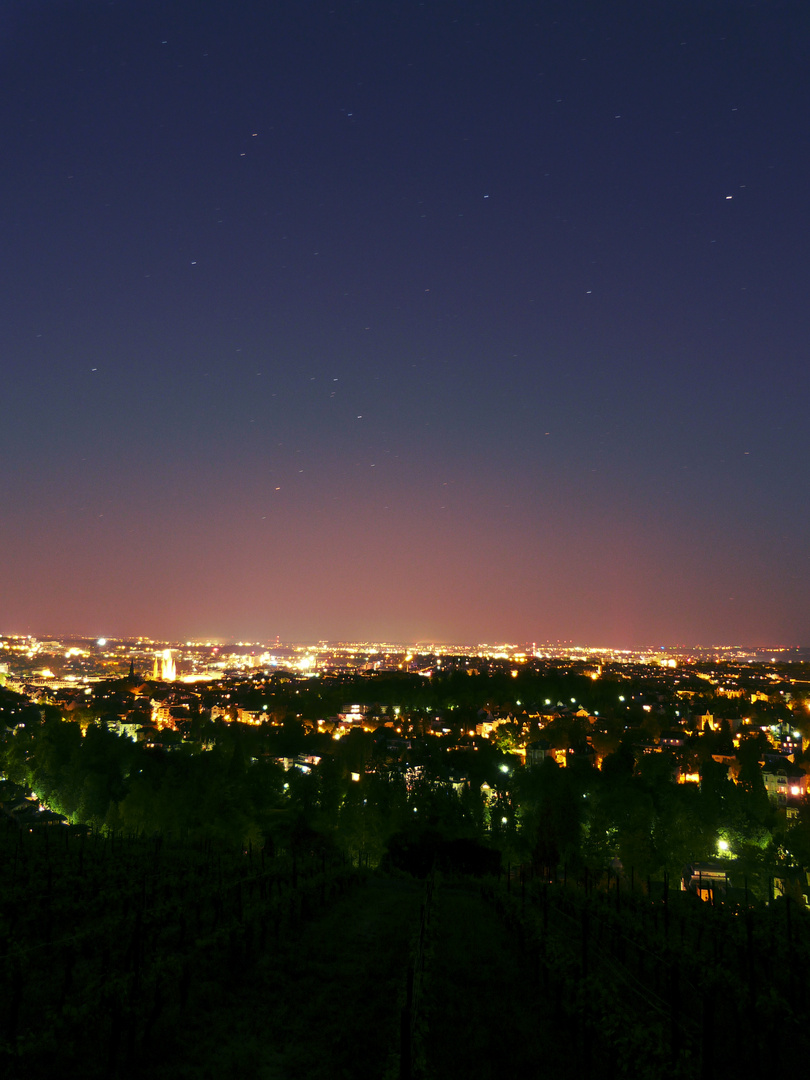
378,319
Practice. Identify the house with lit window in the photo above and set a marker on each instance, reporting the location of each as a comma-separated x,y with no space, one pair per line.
787,739
706,880
785,783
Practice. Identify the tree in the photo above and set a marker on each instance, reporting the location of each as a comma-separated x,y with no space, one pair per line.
750,778
621,764
797,840
550,815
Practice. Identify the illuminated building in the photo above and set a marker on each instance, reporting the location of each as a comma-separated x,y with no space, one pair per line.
168,669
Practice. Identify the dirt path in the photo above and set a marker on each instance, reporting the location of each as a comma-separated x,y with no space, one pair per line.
485,1017
325,1005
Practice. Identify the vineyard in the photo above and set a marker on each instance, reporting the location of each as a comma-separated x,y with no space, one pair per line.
121,955
109,944
662,984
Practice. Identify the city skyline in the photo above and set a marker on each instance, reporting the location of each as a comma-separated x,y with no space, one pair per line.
160,653
449,323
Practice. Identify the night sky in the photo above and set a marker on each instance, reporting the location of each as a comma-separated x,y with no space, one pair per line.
445,321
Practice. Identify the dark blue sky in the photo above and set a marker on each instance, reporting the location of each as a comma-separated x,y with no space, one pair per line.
458,321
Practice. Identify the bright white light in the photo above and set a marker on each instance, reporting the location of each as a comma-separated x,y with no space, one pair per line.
722,845
102,641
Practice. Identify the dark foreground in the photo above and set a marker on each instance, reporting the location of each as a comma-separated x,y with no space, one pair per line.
121,959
